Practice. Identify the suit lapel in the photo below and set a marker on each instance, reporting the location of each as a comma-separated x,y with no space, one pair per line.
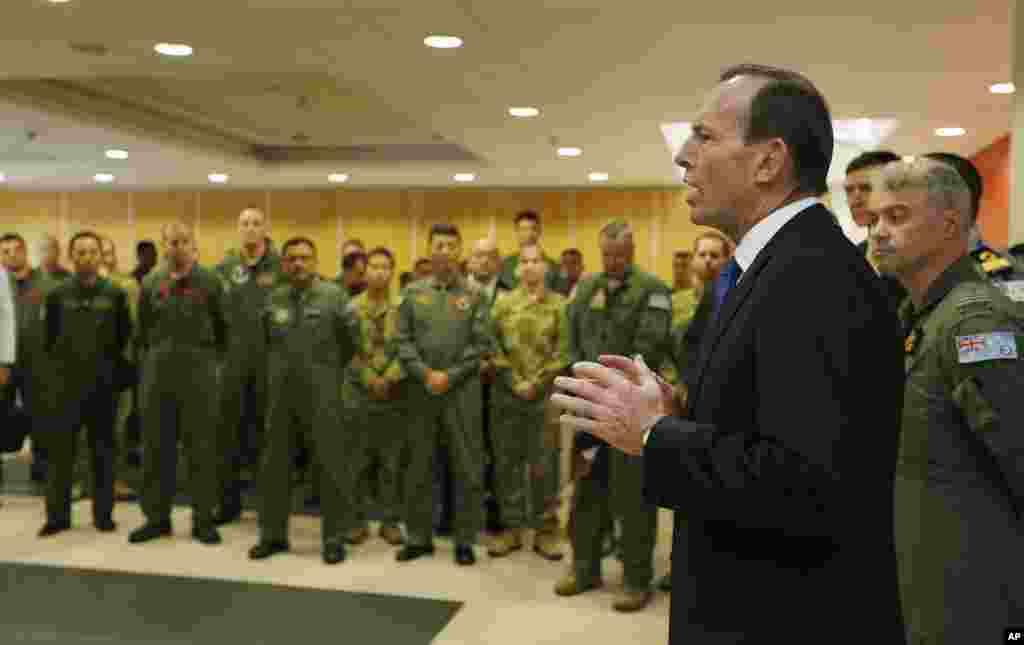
739,294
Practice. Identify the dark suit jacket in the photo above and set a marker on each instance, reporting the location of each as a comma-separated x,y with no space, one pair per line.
783,469
895,293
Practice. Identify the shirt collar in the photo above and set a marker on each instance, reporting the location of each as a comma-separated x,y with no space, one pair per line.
762,232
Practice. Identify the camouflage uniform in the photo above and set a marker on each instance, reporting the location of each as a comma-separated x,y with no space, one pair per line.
530,351
959,490
443,328
379,425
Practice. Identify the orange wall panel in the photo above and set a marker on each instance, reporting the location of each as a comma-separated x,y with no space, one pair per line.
993,163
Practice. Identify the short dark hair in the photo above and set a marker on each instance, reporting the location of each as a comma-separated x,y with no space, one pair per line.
353,258
529,215
968,171
295,241
573,251
84,235
871,159
404,278
145,244
444,228
380,250
422,261
13,237
791,108
354,242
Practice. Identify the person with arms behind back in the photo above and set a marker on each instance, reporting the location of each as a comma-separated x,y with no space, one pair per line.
784,475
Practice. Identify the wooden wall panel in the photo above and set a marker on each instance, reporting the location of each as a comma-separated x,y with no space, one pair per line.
154,209
218,220
378,218
109,213
33,215
309,213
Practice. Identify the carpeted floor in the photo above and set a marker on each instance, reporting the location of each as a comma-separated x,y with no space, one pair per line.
70,605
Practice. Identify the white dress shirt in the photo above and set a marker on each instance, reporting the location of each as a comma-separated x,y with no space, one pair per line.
8,322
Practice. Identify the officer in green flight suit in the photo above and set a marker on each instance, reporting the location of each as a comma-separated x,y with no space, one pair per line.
183,337
441,337
88,328
249,272
312,336
959,493
528,231
626,311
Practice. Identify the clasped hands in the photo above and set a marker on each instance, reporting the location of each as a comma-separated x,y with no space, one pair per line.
616,399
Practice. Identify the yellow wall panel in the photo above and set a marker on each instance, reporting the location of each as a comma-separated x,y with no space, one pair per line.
154,209
306,213
32,215
108,213
378,218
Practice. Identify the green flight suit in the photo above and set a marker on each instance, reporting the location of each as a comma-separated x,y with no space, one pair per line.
312,336
553,279
88,330
633,319
444,328
183,337
34,371
244,398
959,494
379,425
530,351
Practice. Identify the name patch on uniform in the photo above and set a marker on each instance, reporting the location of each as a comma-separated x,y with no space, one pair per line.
265,279
314,313
282,316
986,347
240,275
1014,290
660,301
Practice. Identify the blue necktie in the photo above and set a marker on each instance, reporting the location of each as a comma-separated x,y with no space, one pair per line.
726,280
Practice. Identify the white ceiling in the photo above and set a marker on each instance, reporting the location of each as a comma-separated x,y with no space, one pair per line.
354,77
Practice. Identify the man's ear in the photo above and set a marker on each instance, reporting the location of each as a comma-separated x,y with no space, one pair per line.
772,159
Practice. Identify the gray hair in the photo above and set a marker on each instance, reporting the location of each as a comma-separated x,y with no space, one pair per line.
946,189
617,230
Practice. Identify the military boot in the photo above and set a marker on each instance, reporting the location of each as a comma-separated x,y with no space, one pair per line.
547,544
628,601
570,585
505,542
391,534
357,535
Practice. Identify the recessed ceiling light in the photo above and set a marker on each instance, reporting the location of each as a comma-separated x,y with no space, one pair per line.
464,176
103,177
1002,88
173,49
950,132
569,152
58,1
909,158
114,153
218,177
337,178
523,112
443,42
598,176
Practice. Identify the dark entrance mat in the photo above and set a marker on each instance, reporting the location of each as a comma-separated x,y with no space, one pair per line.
46,604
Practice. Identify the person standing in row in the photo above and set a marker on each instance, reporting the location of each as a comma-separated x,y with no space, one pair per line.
312,336
528,326
959,487
88,329
375,393
528,231
249,272
442,335
183,336
622,310
34,372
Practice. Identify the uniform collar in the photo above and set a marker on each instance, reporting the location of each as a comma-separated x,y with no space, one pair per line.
458,283
960,271
626,276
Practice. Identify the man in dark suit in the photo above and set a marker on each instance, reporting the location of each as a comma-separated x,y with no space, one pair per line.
784,474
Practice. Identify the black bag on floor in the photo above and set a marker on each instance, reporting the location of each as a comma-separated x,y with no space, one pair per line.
15,425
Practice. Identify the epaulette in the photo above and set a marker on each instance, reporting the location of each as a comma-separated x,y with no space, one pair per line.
991,262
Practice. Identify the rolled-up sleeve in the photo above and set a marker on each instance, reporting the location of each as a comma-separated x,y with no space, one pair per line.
8,322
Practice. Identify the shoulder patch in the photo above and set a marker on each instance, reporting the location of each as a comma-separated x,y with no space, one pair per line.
660,301
985,347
